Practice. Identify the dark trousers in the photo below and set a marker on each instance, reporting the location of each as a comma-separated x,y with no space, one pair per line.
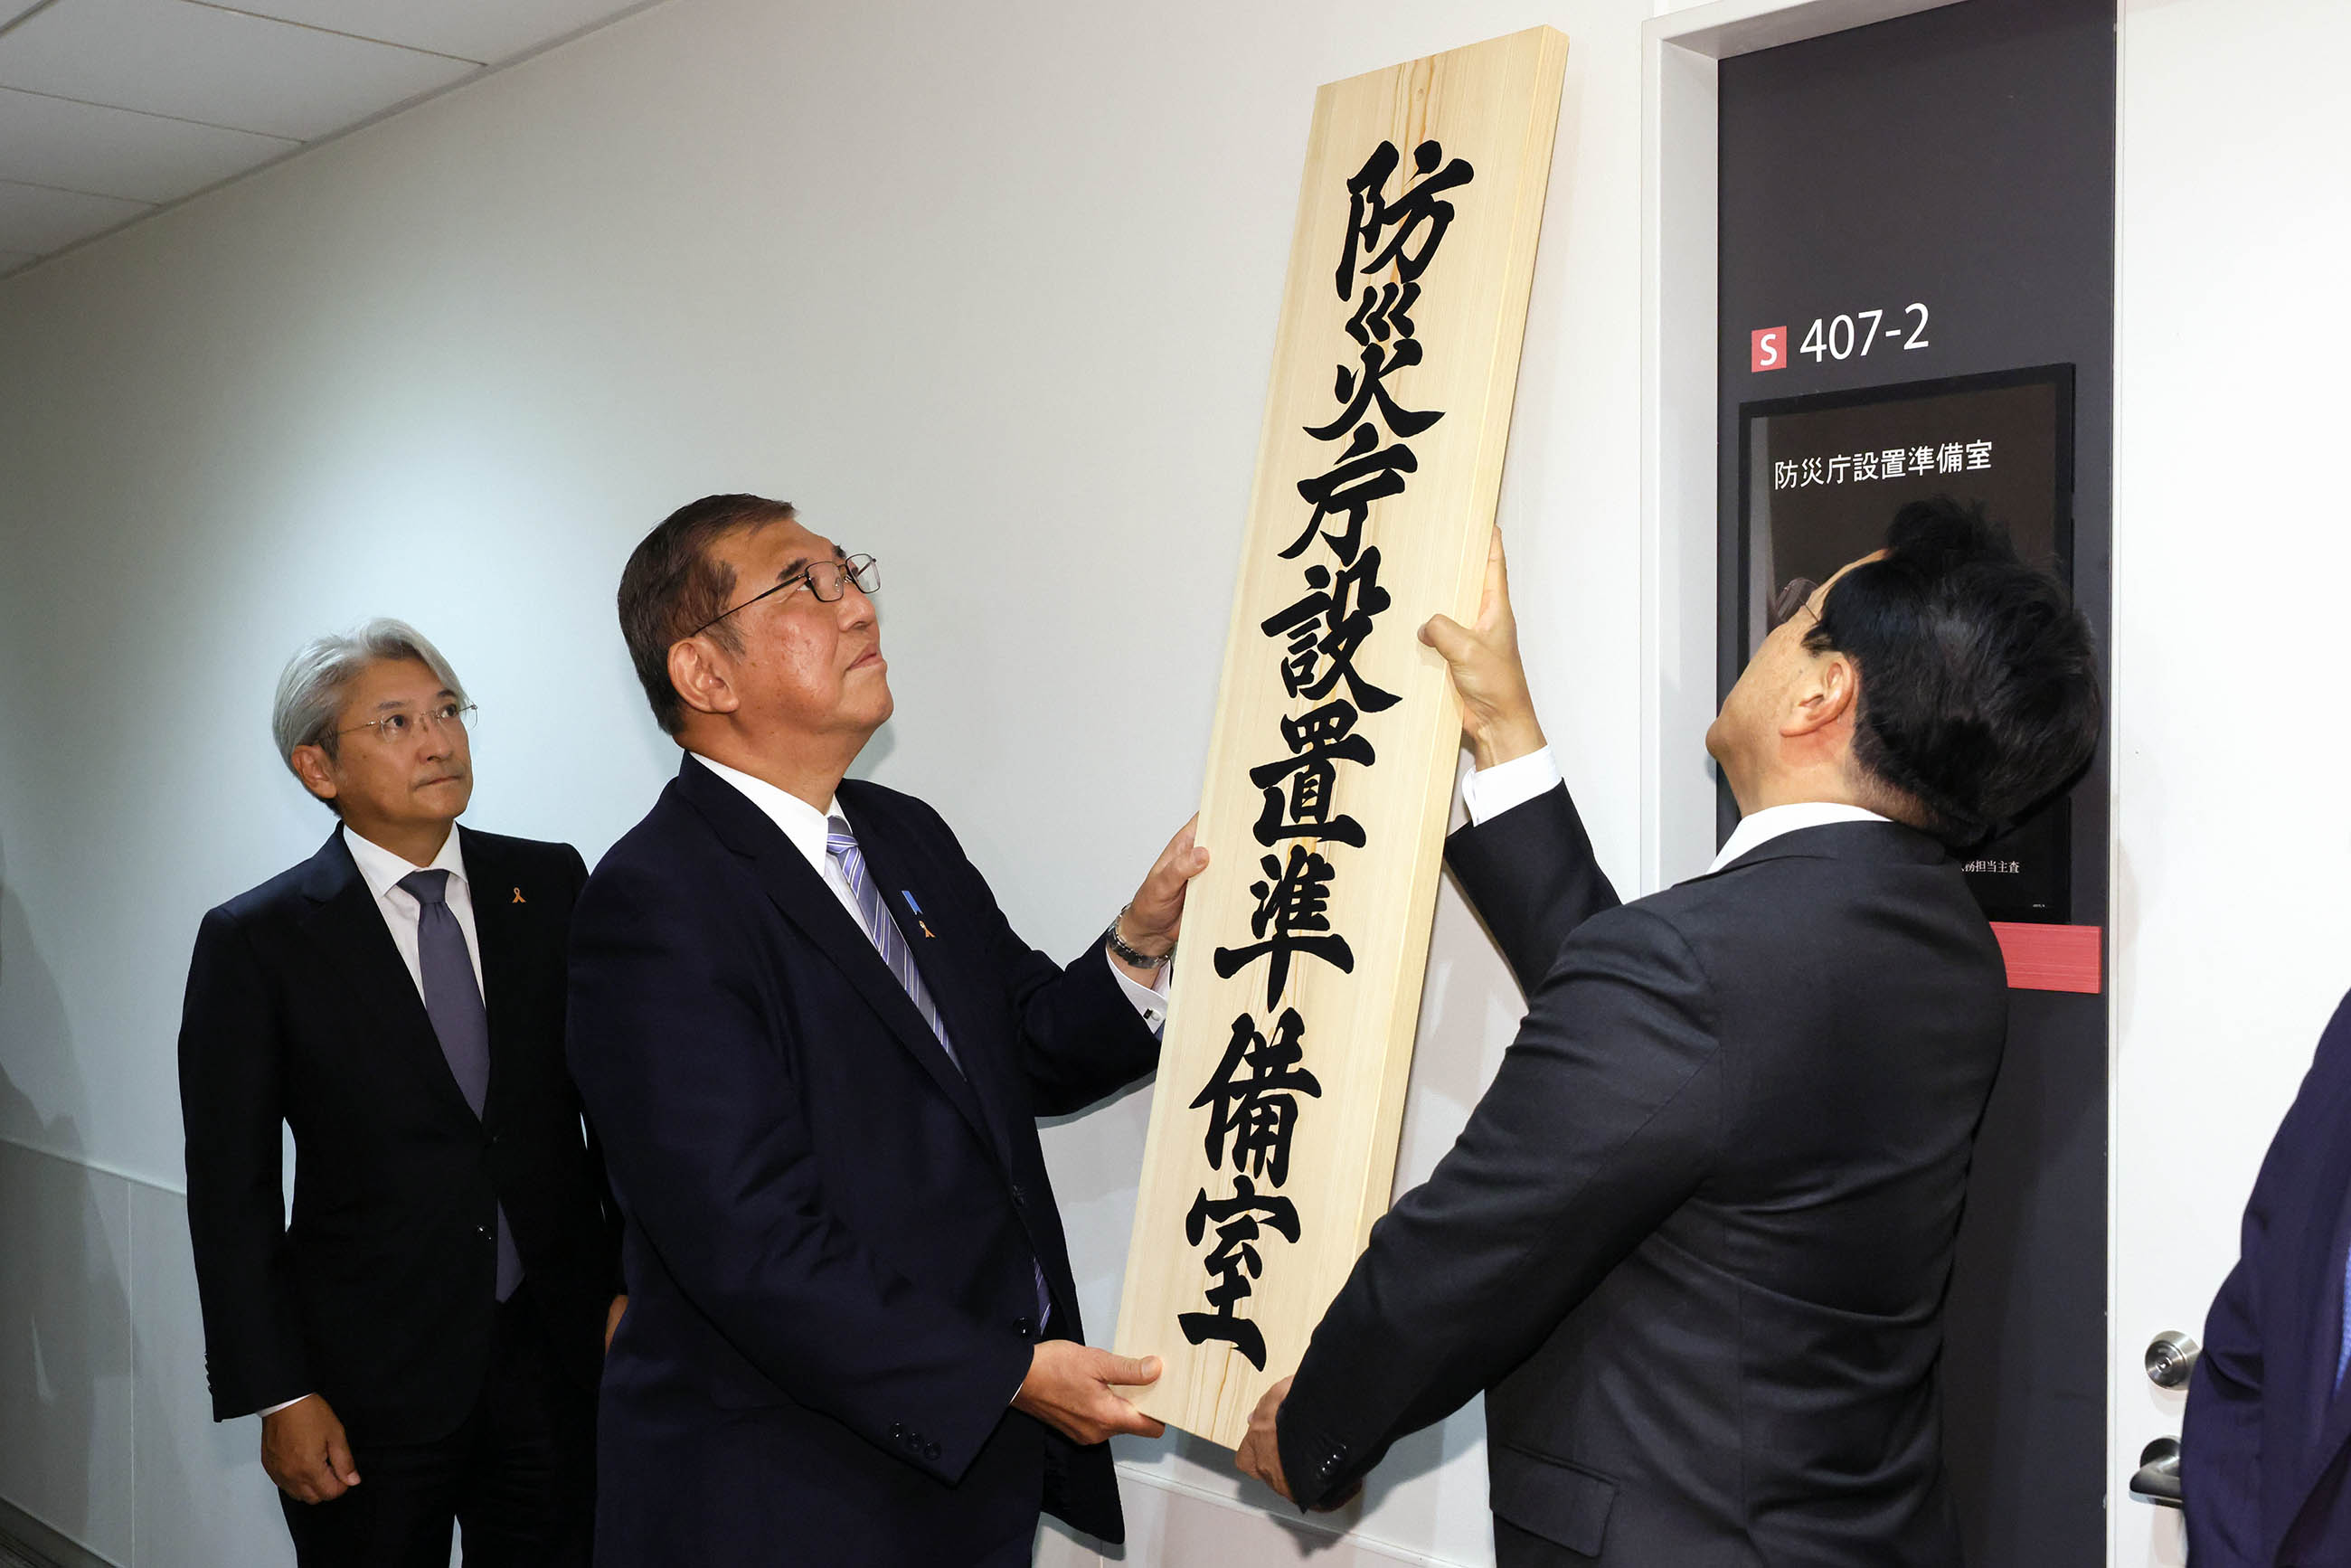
518,1476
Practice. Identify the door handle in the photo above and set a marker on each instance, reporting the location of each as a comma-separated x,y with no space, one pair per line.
2157,1480
2170,1358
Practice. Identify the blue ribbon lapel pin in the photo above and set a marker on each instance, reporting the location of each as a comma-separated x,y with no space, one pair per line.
917,911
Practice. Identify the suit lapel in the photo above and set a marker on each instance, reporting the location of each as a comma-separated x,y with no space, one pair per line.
946,970
801,895
346,923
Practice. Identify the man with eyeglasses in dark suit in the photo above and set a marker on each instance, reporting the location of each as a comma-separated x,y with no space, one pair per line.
817,1053
422,1342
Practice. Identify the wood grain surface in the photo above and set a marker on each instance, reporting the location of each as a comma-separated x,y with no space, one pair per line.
1286,1055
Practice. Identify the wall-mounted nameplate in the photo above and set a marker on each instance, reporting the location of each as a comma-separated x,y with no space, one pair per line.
1280,1089
1821,477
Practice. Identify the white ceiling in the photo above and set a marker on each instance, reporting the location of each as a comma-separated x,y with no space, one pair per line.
110,109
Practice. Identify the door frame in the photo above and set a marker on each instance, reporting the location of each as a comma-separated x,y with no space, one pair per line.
1681,50
1680,124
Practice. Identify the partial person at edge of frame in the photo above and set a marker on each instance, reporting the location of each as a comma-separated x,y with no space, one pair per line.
2265,1447
1695,1241
422,1342
816,1051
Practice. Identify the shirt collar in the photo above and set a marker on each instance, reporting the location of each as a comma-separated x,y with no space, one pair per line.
381,869
807,827
1761,827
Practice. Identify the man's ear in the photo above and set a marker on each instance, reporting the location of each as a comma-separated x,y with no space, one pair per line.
317,774
1827,696
699,679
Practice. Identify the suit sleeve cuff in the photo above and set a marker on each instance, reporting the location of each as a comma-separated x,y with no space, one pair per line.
1151,1000
1490,791
1312,1465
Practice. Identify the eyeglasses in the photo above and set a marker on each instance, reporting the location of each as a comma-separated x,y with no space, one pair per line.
395,728
828,580
1795,594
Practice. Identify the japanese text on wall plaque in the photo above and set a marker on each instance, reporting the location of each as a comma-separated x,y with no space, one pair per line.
1254,1097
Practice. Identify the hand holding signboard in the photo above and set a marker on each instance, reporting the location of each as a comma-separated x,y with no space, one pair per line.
1273,1132
1147,927
1071,1388
1497,714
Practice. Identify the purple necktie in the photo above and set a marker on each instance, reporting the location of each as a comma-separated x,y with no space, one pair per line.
452,1000
873,913
2342,1357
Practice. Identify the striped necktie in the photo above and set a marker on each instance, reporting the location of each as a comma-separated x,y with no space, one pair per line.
874,912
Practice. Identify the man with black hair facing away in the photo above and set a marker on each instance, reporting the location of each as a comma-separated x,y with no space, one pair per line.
1695,1241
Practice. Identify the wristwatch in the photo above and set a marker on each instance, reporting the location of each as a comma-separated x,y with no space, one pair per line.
1118,944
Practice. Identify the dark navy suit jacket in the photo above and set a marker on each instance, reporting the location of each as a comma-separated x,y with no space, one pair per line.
380,1295
2266,1447
832,1235
1695,1241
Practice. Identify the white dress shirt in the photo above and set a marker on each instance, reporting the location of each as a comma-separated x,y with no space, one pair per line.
1759,828
381,870
1488,793
1491,791
808,829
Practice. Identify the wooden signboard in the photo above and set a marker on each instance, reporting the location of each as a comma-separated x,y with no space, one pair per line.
1280,1089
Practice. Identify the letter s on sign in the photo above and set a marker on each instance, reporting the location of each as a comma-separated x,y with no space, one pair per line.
1769,350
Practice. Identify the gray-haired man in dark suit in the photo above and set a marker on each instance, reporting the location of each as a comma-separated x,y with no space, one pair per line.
422,1342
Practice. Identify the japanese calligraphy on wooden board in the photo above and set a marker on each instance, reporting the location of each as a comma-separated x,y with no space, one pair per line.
1280,1089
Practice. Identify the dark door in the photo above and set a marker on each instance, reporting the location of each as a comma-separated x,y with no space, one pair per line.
1953,171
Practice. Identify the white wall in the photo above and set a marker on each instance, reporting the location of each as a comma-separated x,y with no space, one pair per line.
2233,855
991,292
988,290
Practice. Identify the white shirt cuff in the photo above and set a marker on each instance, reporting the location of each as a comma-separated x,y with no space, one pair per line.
289,1405
1491,791
1150,1000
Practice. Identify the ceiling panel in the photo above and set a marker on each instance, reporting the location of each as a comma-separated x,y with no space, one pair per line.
200,62
470,29
37,219
117,152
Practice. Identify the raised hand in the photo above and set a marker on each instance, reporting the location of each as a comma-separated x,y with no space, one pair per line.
1151,923
1498,716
